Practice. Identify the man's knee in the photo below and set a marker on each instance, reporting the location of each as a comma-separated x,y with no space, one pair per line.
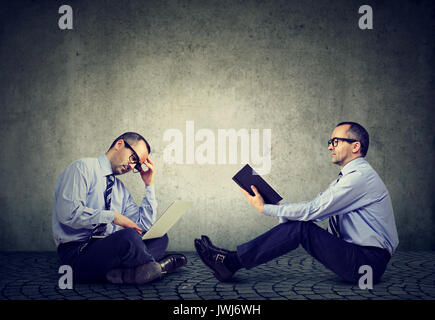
127,233
165,241
127,239
294,228
158,243
157,246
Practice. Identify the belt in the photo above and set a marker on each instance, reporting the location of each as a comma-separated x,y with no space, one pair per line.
81,245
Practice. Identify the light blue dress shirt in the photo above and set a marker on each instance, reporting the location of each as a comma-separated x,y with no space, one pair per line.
79,201
361,201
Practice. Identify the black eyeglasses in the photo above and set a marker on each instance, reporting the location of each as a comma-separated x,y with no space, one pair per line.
134,159
334,141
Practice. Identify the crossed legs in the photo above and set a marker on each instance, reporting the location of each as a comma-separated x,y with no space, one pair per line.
122,249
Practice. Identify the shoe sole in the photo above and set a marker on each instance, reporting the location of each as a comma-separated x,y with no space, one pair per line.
198,244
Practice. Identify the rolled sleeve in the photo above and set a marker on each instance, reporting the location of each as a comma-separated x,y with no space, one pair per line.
346,195
106,216
145,214
270,210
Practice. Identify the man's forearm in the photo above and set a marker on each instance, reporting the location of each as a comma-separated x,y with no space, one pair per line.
83,217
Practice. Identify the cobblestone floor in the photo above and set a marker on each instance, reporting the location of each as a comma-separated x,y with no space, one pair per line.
297,276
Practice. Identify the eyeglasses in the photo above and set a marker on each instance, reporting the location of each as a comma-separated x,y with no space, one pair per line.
134,159
334,141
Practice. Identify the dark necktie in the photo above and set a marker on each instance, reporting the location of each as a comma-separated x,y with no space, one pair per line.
108,192
110,180
333,220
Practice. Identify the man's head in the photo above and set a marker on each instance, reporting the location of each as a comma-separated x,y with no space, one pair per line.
127,151
349,141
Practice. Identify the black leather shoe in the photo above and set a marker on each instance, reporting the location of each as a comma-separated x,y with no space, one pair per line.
206,240
172,262
214,259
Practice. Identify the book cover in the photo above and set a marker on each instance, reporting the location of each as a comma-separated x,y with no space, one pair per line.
247,177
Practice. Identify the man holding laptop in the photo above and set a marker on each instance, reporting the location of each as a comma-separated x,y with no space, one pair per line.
91,204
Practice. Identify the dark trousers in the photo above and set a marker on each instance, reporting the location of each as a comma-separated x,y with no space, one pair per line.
121,249
342,257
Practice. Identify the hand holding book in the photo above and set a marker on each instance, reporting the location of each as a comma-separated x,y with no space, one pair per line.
256,201
262,192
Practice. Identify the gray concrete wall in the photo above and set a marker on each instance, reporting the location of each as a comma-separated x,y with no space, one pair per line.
295,67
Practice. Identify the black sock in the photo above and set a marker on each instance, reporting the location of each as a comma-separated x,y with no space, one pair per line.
232,261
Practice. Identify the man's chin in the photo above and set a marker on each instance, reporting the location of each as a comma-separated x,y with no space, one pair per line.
120,171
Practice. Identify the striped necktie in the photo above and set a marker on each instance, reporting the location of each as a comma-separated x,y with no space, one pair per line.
110,181
333,220
108,192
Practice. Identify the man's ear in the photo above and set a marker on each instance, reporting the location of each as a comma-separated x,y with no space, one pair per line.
118,144
356,147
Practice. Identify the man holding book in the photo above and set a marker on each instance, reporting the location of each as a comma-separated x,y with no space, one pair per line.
361,232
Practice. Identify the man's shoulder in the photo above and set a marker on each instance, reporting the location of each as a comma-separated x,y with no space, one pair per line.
357,171
358,165
365,168
85,165
362,173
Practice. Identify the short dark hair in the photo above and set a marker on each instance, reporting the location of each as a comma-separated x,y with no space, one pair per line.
132,138
358,132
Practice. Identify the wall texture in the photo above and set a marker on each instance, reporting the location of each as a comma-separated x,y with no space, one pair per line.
295,67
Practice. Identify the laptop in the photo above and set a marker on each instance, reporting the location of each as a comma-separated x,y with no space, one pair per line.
175,211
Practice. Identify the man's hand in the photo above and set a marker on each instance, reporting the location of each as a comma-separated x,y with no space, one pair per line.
125,222
256,201
148,176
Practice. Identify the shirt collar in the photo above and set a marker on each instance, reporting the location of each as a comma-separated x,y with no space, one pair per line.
349,167
106,167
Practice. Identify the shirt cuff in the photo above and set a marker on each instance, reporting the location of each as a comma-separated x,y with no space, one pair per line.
270,210
150,193
107,216
149,188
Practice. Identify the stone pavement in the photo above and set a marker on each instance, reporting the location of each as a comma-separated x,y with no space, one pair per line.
297,276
